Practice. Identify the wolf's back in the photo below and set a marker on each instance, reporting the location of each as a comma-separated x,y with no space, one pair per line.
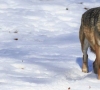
91,17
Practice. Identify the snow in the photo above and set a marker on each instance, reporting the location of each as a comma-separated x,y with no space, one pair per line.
40,48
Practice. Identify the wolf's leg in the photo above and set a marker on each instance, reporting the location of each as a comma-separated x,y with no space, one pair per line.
97,47
85,56
95,66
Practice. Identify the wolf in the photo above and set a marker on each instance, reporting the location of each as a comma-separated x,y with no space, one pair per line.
89,36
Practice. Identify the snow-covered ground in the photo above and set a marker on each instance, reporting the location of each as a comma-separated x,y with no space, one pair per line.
40,48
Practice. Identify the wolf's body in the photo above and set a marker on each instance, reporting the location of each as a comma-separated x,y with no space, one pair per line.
89,36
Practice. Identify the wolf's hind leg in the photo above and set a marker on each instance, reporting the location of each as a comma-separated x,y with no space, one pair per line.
85,56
